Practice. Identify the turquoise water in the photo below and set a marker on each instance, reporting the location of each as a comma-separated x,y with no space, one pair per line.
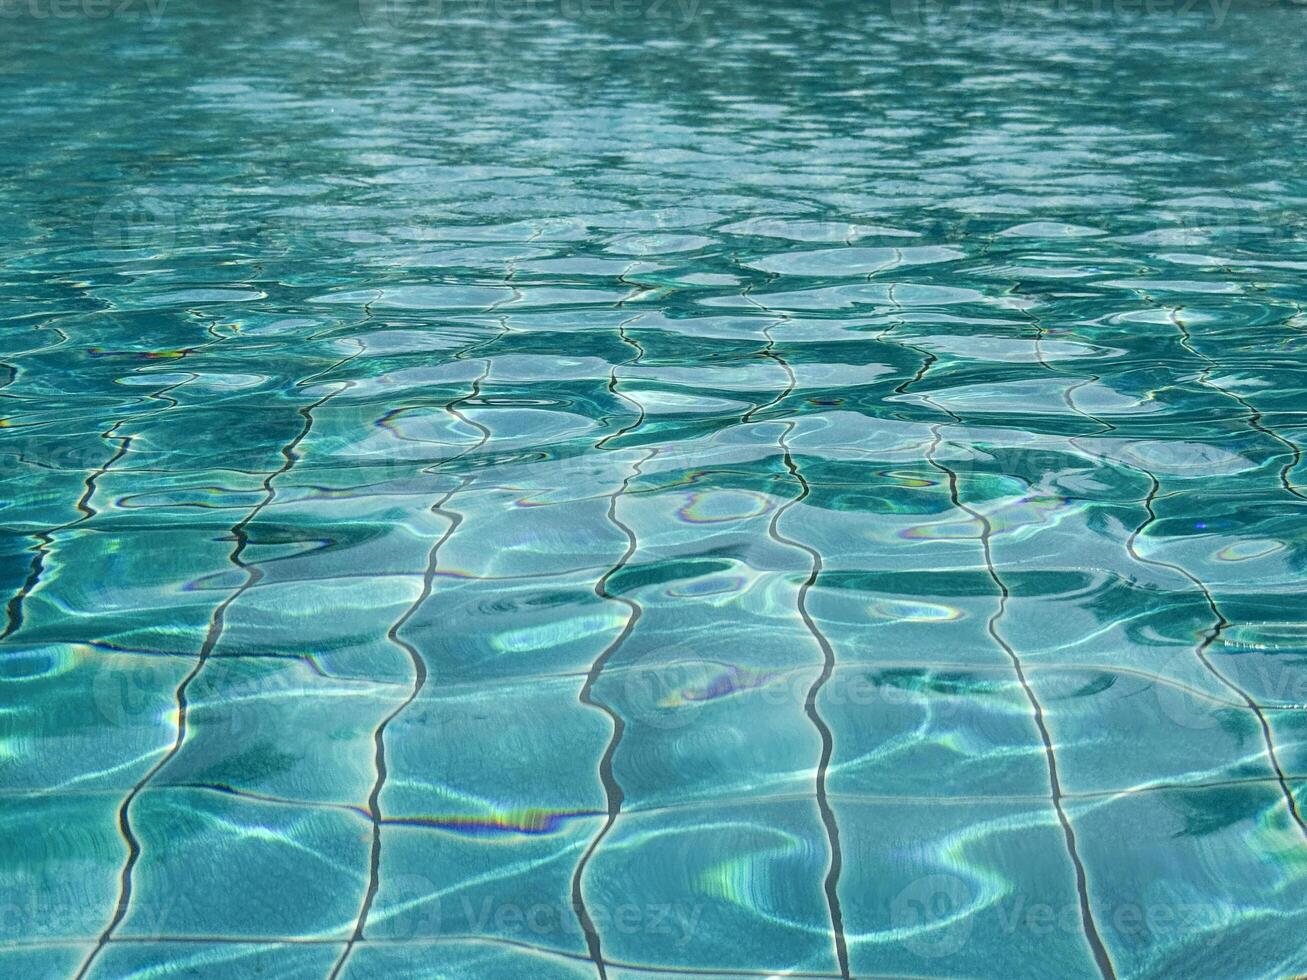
645,489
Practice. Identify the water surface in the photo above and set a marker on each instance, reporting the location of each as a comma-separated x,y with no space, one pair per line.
653,489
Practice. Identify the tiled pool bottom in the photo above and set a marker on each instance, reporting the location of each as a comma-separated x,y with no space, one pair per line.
697,491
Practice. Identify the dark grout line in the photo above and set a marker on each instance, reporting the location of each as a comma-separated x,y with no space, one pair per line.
430,941
1213,633
44,538
1254,418
373,811
850,799
830,885
1099,951
211,639
613,795
1220,622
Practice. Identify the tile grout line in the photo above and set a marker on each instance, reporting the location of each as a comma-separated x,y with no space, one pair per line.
830,883
613,795
373,809
214,633
1098,949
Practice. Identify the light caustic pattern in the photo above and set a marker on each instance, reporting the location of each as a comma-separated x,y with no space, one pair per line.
650,490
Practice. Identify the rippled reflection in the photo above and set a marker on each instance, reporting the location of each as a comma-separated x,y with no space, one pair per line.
550,489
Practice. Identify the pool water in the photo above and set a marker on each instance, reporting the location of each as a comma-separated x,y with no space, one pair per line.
653,488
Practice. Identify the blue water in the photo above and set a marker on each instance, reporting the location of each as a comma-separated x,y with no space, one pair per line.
653,488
